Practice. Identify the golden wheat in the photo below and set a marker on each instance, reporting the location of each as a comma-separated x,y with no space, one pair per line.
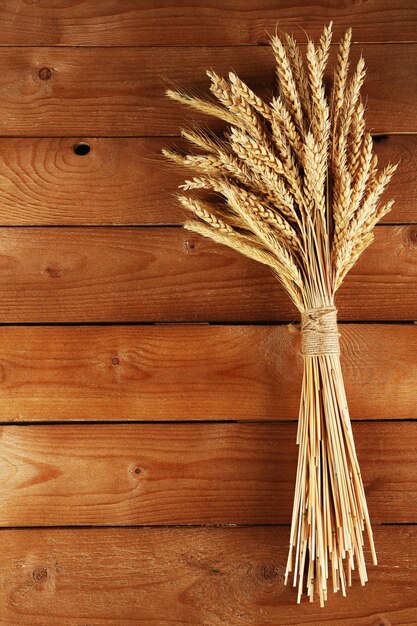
296,187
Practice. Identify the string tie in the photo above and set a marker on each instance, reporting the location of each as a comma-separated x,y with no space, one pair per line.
319,334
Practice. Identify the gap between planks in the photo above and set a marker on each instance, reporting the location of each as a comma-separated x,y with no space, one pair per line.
178,526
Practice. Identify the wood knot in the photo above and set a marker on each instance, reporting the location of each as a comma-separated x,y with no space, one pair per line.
413,236
139,474
294,328
53,271
40,574
189,245
45,73
115,360
262,39
269,571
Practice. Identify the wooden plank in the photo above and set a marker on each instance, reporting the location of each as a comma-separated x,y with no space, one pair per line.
194,372
178,577
120,181
196,23
168,274
107,474
50,91
42,181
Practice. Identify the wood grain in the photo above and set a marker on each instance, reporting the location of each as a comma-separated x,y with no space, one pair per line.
79,70
168,274
106,474
194,372
42,181
179,577
158,22
121,91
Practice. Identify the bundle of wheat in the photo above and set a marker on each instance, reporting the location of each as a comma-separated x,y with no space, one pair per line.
296,187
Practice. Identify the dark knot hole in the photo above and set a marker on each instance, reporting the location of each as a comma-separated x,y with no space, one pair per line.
81,148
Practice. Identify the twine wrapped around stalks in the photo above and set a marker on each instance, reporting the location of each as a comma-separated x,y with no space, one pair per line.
295,185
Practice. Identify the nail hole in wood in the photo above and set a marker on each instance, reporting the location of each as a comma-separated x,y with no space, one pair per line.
81,148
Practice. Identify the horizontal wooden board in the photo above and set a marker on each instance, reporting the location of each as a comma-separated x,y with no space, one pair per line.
157,22
51,91
179,577
185,473
180,372
168,274
126,181
120,181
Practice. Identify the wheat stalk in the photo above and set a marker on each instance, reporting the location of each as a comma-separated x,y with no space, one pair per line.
297,187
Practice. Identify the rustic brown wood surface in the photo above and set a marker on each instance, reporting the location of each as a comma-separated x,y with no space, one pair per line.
42,181
49,91
109,274
179,577
185,473
152,373
158,22
225,395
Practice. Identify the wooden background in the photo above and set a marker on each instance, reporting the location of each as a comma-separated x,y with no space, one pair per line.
149,380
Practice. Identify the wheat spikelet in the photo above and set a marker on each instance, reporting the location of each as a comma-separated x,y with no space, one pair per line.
287,85
245,204
356,139
351,100
202,140
202,105
361,225
202,162
234,241
197,182
221,89
342,192
297,188
262,163
204,211
284,148
363,167
341,172
232,98
225,160
352,254
373,171
283,122
248,205
323,48
299,74
368,211
242,91
313,189
254,152
341,75
317,144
